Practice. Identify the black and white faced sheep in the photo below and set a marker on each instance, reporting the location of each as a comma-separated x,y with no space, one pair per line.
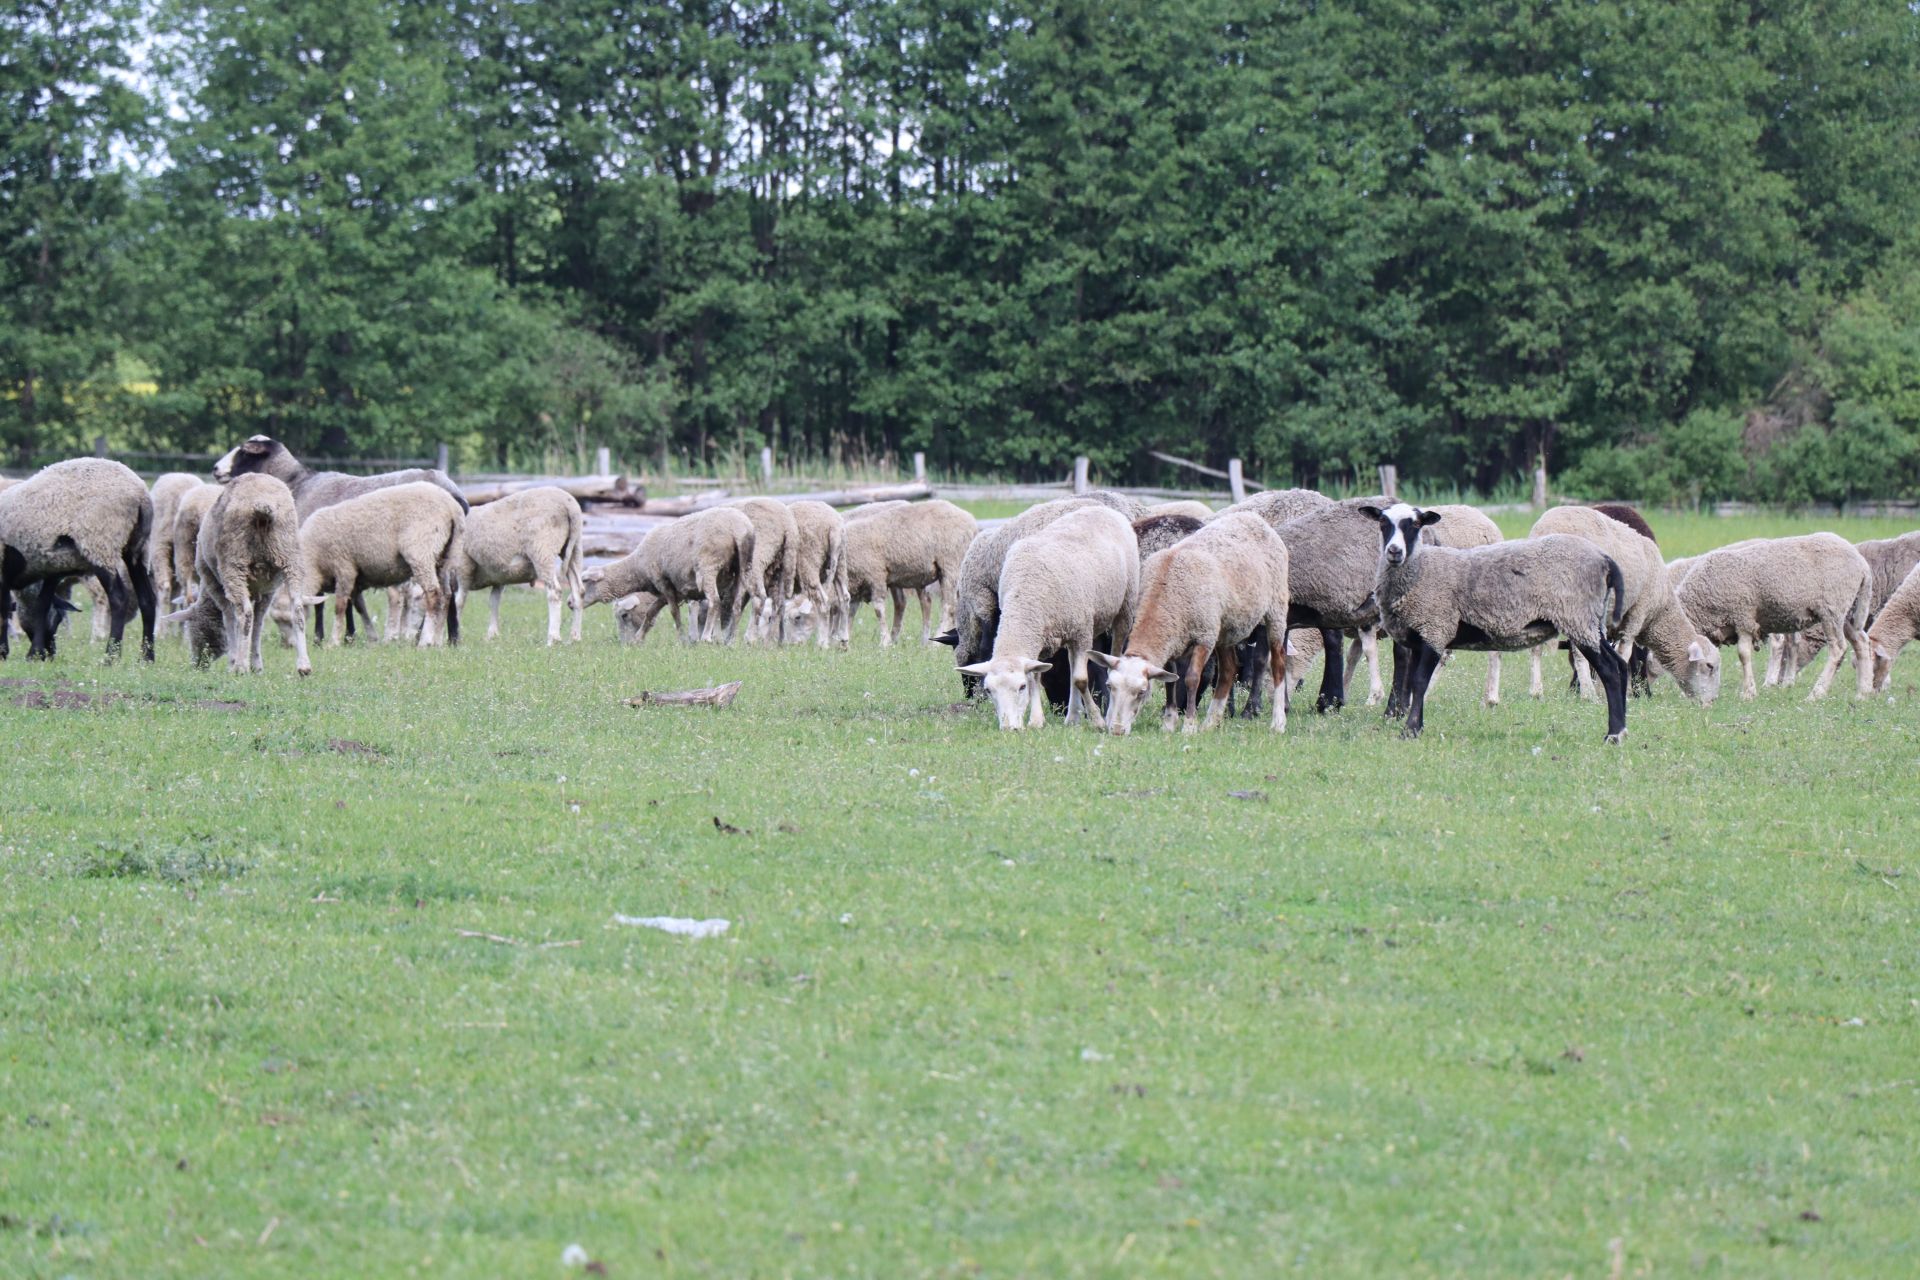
1077,579
1201,598
1504,597
85,517
312,489
408,533
248,548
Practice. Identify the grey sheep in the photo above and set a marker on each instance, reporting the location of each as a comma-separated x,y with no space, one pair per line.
1060,588
1333,553
1651,613
700,560
1460,526
906,549
1766,586
85,517
1277,506
976,607
1203,596
313,490
529,536
248,548
409,533
1508,596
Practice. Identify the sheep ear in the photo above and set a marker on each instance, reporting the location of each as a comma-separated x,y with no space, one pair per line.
1035,665
256,444
64,605
950,637
1099,659
1698,651
1429,517
977,669
1880,651
312,600
1371,513
1161,674
178,616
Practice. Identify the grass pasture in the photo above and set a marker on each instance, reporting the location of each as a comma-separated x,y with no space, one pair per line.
1503,1001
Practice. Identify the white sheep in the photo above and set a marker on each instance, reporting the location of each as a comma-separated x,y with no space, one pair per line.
818,568
769,579
906,549
1505,597
189,509
1894,627
1768,586
1203,596
529,536
1184,507
167,491
1651,614
87,517
1074,580
976,606
699,559
409,533
248,547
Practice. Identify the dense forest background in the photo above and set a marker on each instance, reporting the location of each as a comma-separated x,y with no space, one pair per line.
1673,248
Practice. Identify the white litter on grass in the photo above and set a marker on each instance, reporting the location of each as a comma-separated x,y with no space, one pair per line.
573,1256
1092,1055
677,924
1854,1022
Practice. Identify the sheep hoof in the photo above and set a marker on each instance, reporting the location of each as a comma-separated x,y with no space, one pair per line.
1614,739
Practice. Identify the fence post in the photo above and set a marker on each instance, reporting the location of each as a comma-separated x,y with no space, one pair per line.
99,446
603,461
442,456
1540,483
1080,484
766,465
919,468
1236,482
1390,481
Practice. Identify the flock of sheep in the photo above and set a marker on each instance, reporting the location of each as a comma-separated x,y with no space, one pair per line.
1086,602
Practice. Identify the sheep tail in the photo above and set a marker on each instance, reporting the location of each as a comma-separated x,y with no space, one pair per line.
263,514
1618,586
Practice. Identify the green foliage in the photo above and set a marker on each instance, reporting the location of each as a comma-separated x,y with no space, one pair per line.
1452,236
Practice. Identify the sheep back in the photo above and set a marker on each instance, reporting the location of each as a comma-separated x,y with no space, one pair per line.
1075,579
1767,586
76,516
520,537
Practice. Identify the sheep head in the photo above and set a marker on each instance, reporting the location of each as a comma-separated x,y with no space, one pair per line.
1130,678
1014,686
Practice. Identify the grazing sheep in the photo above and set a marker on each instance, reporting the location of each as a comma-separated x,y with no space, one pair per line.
1060,588
1203,597
633,616
409,533
1896,624
1781,585
907,549
769,579
700,560
1891,559
167,492
1651,614
818,569
976,604
189,509
1156,533
83,517
1627,516
248,546
1507,596
529,536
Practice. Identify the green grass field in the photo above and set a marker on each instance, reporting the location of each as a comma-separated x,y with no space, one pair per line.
1502,1001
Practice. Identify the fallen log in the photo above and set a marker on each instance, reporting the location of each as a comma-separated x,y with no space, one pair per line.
718,696
860,497
685,506
618,490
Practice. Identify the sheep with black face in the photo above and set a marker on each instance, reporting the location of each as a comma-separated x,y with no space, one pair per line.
1501,598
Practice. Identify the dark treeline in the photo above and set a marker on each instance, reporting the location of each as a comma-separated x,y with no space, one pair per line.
1670,247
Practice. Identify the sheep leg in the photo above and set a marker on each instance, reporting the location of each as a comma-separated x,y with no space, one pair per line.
710,605
1369,642
342,593
101,617
926,616
1228,656
1354,654
366,616
1536,687
1276,648
145,599
1743,645
240,610
119,606
1833,627
899,598
1405,657
1776,658
1196,669
1493,679
1333,680
1083,688
493,614
1423,661
41,621
575,602
1256,671
1613,678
